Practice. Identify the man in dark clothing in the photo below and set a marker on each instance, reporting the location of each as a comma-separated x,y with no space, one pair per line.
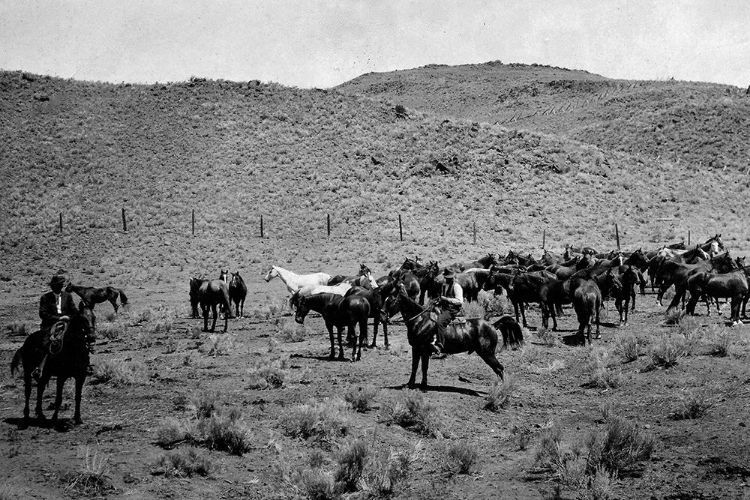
449,305
55,307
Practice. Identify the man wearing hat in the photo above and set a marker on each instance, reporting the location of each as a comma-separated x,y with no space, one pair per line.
450,302
54,306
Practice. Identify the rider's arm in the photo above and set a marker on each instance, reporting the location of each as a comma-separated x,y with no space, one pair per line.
47,310
458,300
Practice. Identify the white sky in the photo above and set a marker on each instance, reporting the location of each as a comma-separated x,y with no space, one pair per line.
321,43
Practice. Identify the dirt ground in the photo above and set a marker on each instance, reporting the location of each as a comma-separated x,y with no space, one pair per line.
705,457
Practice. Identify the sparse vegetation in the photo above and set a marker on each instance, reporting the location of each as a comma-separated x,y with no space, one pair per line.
626,345
92,478
500,394
267,374
119,372
184,463
361,398
325,421
411,411
459,457
600,374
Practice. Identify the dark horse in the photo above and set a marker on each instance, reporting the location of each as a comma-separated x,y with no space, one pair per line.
376,298
476,336
588,295
66,359
209,294
92,296
339,312
237,293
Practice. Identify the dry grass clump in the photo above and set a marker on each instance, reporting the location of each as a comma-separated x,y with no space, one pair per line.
18,329
520,435
547,336
720,340
626,345
474,310
459,457
173,432
596,366
291,331
268,374
225,431
590,468
184,463
667,349
494,305
111,331
693,404
361,398
119,373
411,411
325,421
218,345
499,394
91,478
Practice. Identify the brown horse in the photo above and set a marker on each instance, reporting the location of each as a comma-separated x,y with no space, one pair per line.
477,335
238,293
92,296
65,359
588,295
376,298
731,285
211,293
338,312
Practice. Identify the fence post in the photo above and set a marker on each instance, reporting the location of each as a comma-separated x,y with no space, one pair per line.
328,224
124,222
61,222
400,227
475,232
261,226
193,222
617,236
688,237
544,238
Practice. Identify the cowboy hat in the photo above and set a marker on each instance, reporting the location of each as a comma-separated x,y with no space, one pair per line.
448,273
57,280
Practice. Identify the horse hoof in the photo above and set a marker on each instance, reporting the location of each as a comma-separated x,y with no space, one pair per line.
372,346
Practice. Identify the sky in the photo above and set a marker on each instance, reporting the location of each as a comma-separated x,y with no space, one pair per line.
322,43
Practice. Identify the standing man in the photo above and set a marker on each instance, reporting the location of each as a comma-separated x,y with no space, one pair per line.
54,306
450,303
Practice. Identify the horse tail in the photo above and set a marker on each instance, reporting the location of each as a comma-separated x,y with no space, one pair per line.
16,360
511,331
123,298
227,303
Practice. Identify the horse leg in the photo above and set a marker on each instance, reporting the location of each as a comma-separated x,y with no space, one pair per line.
375,322
415,355
215,313
340,330
205,317
362,337
79,390
523,313
58,398
27,394
40,386
329,326
598,306
425,364
492,362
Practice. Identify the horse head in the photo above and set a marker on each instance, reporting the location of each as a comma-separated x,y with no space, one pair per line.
224,275
272,273
85,321
302,308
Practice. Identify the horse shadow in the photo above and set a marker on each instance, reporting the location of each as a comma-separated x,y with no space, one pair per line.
320,358
62,424
441,388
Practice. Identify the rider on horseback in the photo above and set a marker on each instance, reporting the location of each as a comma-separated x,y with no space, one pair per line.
448,307
55,309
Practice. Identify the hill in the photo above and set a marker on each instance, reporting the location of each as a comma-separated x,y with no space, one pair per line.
236,151
701,124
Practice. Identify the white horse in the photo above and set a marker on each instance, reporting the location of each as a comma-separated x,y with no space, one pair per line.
294,281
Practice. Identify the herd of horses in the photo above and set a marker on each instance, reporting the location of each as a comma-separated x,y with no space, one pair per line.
579,276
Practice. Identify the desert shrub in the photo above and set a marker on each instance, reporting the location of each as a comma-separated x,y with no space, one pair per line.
720,340
521,436
170,346
17,328
118,373
361,398
173,431
473,310
666,349
267,374
548,452
225,432
459,458
184,463
111,331
626,345
316,484
547,336
619,447
693,404
91,478
411,411
291,331
494,305
144,340
218,345
530,353
498,397
689,327
597,369
324,421
673,316
350,460
389,469
205,404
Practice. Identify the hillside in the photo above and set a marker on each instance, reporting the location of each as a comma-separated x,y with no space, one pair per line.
235,151
701,124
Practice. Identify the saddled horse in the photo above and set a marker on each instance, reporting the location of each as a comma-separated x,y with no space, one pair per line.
294,281
238,293
92,296
66,359
338,312
477,335
210,294
732,285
